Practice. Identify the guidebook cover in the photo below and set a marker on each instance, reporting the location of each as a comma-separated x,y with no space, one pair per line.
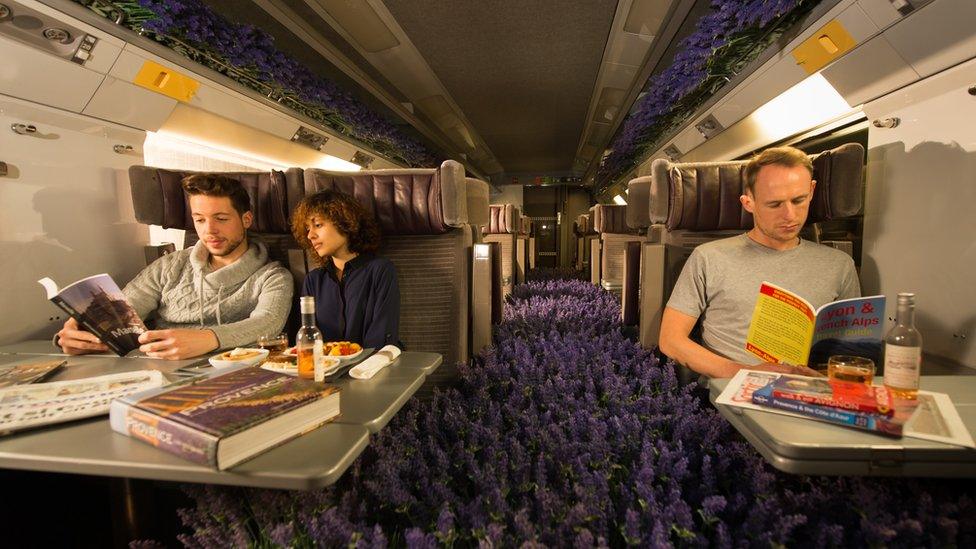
100,307
29,372
193,419
846,395
892,425
787,329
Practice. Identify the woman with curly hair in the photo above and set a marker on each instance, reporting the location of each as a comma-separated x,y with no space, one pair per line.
357,297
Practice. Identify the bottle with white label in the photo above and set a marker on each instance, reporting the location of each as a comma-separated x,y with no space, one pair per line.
903,351
309,342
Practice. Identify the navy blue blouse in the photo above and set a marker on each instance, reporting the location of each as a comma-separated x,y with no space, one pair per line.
363,307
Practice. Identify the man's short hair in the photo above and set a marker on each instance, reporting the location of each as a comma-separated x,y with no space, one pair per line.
789,157
212,184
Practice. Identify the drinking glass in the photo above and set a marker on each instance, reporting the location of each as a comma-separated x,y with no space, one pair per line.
275,344
851,368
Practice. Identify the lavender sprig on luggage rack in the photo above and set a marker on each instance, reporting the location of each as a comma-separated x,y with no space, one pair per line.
249,56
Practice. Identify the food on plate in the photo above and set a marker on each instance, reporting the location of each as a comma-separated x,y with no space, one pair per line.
238,357
283,360
341,348
241,354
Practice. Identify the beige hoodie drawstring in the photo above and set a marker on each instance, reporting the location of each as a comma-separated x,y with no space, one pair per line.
219,289
200,299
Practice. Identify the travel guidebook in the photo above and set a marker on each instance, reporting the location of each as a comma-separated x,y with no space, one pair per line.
37,404
227,417
29,372
786,328
886,423
846,395
100,307
932,416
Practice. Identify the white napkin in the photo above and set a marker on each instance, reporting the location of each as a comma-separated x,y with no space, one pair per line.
368,368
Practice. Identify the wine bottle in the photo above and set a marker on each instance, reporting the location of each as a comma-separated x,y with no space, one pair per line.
903,351
309,341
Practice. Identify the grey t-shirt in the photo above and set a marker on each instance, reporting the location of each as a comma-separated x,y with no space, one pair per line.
721,279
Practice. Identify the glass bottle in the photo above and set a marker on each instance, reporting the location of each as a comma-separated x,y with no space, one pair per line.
309,340
903,351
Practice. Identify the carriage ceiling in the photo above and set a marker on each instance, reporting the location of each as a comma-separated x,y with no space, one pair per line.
508,87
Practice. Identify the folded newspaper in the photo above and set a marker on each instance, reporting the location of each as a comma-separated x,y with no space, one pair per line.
26,406
935,417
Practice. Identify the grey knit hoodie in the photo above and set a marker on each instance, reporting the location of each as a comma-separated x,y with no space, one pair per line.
239,302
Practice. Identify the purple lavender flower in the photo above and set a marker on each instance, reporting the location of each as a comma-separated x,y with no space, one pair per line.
565,432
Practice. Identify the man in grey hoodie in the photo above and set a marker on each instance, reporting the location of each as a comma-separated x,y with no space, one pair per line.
220,293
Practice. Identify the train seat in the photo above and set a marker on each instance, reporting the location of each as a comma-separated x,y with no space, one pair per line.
486,287
585,234
607,255
158,199
502,229
523,245
423,215
699,202
638,218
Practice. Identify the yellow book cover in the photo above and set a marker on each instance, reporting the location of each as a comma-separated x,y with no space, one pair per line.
787,329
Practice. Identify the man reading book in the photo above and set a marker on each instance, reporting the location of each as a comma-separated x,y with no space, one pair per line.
223,292
721,280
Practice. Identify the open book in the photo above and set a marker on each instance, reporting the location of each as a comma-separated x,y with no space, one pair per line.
787,329
100,307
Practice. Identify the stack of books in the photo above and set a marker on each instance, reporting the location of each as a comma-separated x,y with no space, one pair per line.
843,402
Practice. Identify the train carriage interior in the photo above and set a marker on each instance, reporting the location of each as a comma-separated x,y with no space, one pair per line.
535,220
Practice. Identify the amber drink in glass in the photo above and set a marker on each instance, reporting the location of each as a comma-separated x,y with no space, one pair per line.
851,368
275,344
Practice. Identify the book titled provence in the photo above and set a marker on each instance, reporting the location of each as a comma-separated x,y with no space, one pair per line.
227,417
100,307
787,329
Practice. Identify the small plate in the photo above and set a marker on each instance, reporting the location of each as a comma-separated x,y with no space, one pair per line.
293,351
344,358
218,362
331,365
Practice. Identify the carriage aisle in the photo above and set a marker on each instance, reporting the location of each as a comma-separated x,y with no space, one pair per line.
565,429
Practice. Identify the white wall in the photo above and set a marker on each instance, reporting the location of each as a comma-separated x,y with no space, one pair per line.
919,225
65,211
511,194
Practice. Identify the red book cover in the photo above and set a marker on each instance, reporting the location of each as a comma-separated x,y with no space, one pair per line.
843,395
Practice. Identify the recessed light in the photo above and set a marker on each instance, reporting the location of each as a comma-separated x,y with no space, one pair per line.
56,34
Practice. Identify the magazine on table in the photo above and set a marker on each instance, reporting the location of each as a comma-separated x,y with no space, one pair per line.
29,372
100,307
934,417
25,406
787,329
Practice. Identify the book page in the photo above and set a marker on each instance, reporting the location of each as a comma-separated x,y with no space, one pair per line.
782,326
849,327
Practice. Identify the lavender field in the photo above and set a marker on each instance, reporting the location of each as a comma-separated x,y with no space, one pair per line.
566,433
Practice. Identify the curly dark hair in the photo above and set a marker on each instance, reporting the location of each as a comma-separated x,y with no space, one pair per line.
349,217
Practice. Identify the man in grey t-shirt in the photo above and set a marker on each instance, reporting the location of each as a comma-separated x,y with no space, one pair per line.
721,279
